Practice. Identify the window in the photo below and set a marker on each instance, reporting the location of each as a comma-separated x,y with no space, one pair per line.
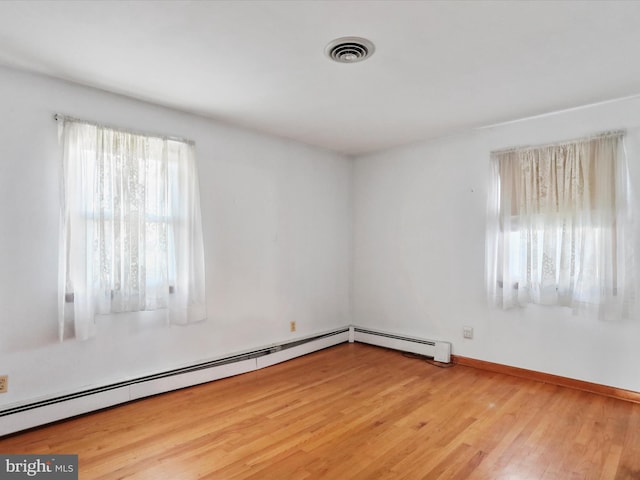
559,226
131,227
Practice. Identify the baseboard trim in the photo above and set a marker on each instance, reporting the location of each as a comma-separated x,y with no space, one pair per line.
613,392
40,412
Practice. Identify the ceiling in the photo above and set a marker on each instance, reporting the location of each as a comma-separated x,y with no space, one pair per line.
439,67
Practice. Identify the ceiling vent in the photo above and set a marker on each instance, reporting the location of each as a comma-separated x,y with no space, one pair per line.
349,49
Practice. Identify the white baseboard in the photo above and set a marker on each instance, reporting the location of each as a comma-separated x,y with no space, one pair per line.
23,420
54,409
438,350
302,349
183,380
51,410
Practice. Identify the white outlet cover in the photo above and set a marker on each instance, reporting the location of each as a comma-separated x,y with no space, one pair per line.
467,332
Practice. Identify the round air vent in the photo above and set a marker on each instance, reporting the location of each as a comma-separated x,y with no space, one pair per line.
349,49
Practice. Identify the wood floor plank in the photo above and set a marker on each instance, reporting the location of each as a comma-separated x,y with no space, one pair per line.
354,412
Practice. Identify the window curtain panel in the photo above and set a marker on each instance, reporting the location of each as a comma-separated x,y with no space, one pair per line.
559,227
131,233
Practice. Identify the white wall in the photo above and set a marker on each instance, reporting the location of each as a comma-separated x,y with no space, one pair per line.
419,239
394,239
277,227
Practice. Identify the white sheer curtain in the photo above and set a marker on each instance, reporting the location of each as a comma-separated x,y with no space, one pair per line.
131,228
559,227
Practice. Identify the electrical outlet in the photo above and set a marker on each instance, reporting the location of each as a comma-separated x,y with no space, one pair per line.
467,332
4,383
292,326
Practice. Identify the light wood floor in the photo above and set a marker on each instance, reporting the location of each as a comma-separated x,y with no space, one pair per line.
354,412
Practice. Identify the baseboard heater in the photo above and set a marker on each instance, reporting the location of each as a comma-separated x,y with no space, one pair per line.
439,351
49,410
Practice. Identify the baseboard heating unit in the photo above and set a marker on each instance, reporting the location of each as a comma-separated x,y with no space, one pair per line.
28,415
41,412
439,351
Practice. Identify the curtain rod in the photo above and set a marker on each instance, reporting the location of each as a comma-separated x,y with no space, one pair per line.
59,117
606,134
